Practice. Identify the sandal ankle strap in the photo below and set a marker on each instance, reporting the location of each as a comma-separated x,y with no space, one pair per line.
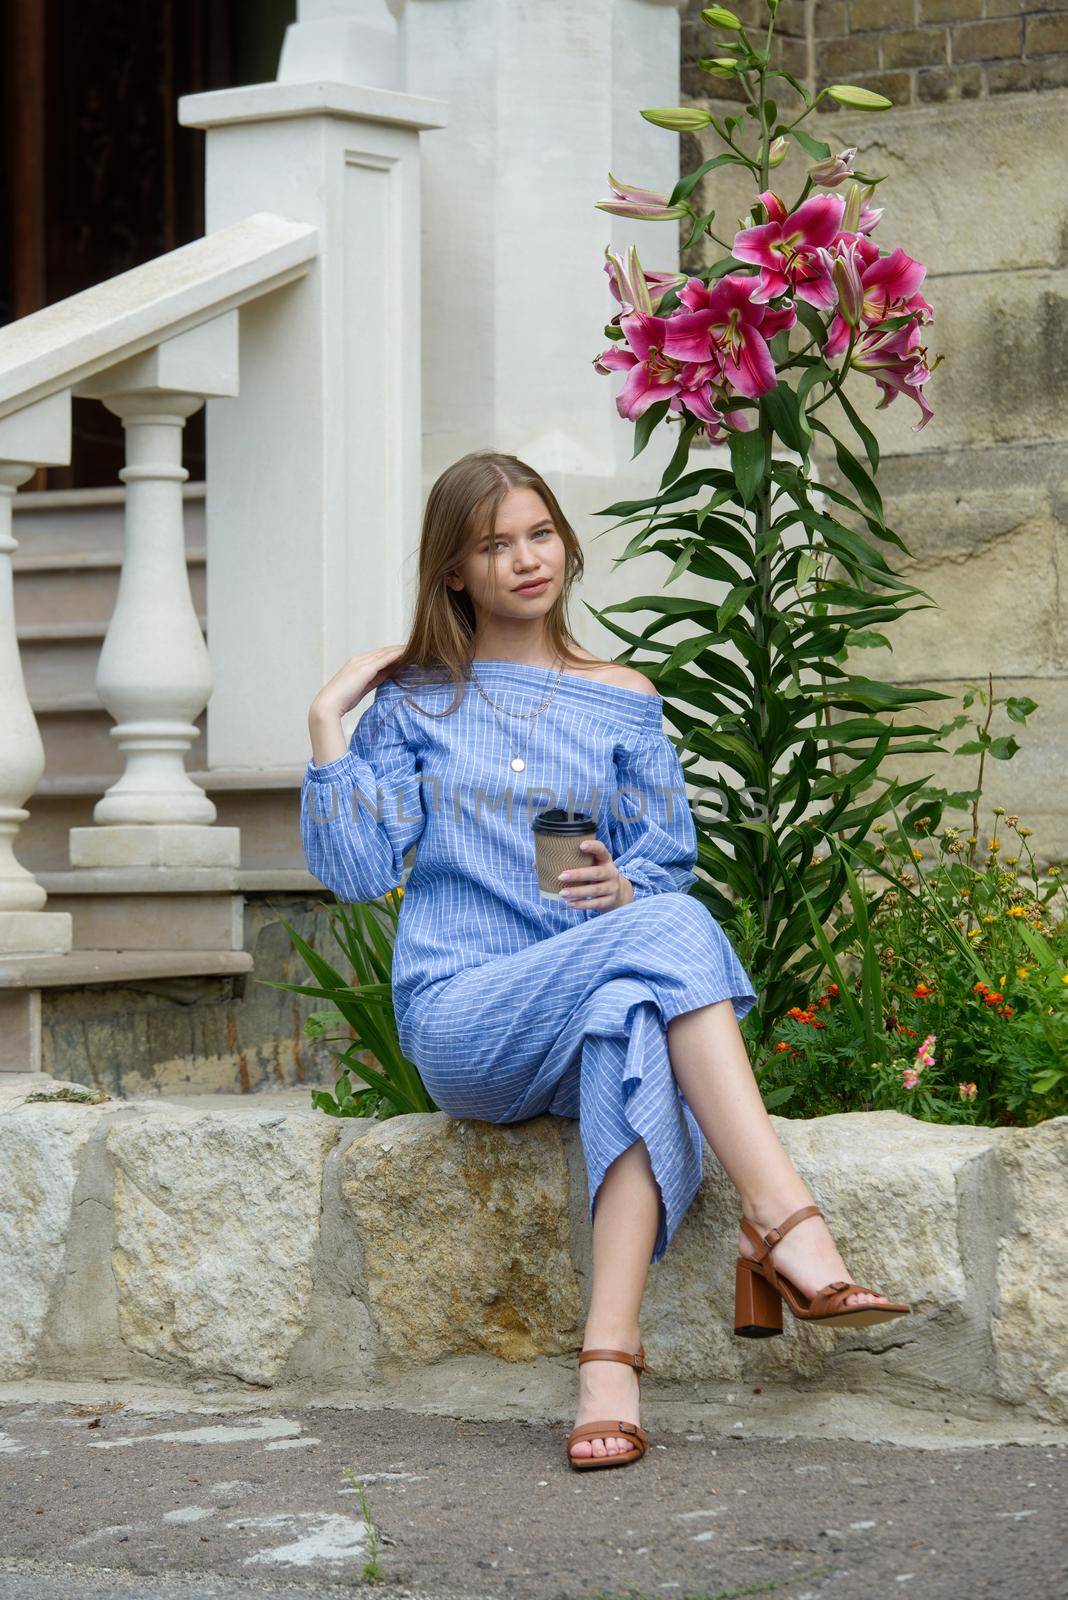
766,1242
637,1361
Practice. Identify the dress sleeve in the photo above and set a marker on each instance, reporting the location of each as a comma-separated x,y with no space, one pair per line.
654,841
361,812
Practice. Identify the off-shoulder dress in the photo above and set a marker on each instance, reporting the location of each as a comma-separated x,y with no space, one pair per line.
511,1004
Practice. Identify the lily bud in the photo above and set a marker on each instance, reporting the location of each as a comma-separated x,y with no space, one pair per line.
848,94
777,151
720,17
678,119
830,173
851,214
850,289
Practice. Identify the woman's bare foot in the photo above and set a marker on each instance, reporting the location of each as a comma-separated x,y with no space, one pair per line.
606,1389
807,1255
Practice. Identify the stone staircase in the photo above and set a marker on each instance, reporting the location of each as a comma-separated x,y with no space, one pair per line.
160,924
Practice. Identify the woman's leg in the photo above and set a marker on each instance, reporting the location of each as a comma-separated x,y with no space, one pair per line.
711,1067
624,1229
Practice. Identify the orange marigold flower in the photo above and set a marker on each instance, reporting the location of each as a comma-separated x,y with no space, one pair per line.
922,992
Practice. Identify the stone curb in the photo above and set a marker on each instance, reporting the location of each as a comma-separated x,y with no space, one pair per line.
254,1241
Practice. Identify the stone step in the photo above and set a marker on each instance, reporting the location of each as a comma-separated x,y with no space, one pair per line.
264,805
461,1248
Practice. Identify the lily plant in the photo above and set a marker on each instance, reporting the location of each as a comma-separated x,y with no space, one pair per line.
781,739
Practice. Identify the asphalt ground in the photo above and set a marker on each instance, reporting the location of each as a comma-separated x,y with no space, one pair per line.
161,1504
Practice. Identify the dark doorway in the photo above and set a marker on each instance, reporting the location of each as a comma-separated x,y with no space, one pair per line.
96,174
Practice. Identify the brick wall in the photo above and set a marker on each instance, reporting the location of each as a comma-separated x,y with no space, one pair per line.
931,50
913,51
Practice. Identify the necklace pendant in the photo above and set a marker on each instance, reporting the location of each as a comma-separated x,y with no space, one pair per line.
518,763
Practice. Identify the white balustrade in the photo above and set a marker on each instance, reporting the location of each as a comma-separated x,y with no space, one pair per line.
37,436
154,674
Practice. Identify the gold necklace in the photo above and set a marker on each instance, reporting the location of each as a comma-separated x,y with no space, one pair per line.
517,763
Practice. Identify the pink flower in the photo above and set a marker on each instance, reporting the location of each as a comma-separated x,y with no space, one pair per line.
787,248
633,287
738,330
643,205
925,1053
910,1078
834,170
888,286
898,363
967,1091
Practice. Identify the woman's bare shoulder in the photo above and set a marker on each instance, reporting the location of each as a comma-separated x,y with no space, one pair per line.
623,677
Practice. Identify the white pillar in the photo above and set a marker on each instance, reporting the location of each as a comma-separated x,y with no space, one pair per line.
313,475
154,675
35,437
545,100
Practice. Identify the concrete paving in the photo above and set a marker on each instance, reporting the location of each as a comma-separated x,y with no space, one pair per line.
121,1495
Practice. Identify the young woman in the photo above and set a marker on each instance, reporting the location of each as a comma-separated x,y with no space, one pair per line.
618,1004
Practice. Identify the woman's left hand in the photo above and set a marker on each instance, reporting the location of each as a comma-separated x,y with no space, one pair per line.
598,887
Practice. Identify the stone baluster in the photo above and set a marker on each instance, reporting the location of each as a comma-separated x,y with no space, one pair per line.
39,435
154,674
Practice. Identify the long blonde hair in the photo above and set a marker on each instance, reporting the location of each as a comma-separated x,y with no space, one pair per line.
462,507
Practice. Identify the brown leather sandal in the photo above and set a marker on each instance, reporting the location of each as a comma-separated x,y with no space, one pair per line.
759,1291
602,1429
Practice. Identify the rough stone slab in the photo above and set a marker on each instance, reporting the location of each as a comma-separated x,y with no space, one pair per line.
890,1189
216,1232
1030,1328
464,1228
40,1150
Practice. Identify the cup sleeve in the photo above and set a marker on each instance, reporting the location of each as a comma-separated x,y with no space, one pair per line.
654,841
362,812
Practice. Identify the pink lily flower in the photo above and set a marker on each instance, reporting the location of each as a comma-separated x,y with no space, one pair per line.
898,363
787,250
736,327
632,286
661,350
910,1078
889,286
644,205
834,170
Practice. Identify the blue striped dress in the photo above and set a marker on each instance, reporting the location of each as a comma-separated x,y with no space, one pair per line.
511,1004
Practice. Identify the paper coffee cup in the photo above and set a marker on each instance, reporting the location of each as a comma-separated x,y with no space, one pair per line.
557,837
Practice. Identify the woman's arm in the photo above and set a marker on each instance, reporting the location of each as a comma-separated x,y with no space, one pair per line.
362,810
654,841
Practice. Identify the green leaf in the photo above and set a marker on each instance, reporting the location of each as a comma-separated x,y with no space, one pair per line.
685,186
682,451
779,1096
734,602
787,417
1019,707
811,321
816,148
646,423
747,462
862,431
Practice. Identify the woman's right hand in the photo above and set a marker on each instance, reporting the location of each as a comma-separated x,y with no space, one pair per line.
344,690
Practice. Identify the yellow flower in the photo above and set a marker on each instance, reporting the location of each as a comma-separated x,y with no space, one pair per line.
917,855
1021,972
977,933
990,917
1064,977
1014,911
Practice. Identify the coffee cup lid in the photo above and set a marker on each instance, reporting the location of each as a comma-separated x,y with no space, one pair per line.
557,820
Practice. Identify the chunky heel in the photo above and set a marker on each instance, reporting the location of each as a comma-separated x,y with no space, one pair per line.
759,1290
757,1306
